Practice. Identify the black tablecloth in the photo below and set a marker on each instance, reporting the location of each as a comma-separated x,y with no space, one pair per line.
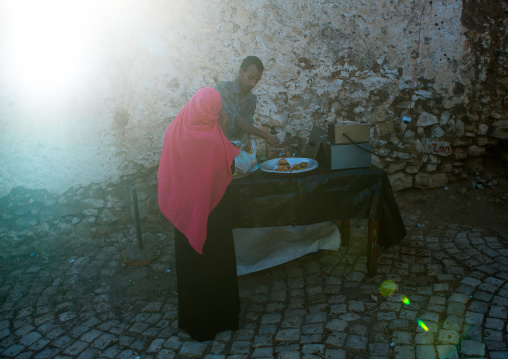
275,199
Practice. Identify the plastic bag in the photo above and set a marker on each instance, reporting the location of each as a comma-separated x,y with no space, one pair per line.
245,162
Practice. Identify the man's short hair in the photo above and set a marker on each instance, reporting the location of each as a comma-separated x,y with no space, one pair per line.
252,60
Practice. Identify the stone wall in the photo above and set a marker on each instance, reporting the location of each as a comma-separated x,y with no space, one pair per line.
34,221
326,61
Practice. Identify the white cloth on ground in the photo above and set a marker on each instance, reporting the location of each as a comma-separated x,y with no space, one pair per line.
261,248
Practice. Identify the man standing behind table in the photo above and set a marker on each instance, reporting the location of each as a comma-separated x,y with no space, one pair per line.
240,103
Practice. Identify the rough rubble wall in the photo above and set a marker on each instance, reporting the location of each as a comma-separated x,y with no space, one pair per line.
326,61
37,220
484,114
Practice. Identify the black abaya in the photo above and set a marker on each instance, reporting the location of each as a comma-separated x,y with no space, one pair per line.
208,299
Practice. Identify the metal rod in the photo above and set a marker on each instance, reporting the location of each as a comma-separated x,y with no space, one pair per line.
136,215
372,246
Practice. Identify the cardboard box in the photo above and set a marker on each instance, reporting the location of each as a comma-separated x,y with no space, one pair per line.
358,132
338,157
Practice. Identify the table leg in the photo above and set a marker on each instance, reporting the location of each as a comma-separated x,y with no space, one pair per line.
372,247
344,228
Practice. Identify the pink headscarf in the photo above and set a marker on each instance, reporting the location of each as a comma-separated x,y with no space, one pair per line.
195,166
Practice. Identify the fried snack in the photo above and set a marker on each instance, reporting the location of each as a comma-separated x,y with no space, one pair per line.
300,166
283,162
283,165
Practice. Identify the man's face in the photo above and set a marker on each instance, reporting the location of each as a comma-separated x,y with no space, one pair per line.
248,79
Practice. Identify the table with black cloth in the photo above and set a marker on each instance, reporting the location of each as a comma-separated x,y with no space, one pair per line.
264,199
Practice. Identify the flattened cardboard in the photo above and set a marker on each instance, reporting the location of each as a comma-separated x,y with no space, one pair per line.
315,138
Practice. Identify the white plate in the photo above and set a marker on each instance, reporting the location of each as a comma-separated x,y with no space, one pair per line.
271,165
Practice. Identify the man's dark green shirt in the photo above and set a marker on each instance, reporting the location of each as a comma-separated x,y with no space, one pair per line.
234,105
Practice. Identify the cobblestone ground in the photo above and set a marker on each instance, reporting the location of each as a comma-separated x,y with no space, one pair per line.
90,305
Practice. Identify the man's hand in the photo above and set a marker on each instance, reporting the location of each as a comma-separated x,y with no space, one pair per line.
272,141
247,144
250,129
224,122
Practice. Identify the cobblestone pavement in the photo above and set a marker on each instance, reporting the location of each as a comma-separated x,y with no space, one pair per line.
451,280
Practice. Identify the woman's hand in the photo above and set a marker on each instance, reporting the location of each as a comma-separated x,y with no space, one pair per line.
247,145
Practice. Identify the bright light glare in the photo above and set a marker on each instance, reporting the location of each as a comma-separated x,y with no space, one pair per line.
48,45
387,288
422,325
405,300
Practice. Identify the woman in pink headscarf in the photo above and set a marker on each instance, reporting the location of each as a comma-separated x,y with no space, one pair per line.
195,170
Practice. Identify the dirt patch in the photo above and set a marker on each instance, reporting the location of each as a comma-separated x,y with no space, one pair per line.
479,200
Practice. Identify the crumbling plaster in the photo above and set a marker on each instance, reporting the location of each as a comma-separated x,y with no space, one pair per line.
325,61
